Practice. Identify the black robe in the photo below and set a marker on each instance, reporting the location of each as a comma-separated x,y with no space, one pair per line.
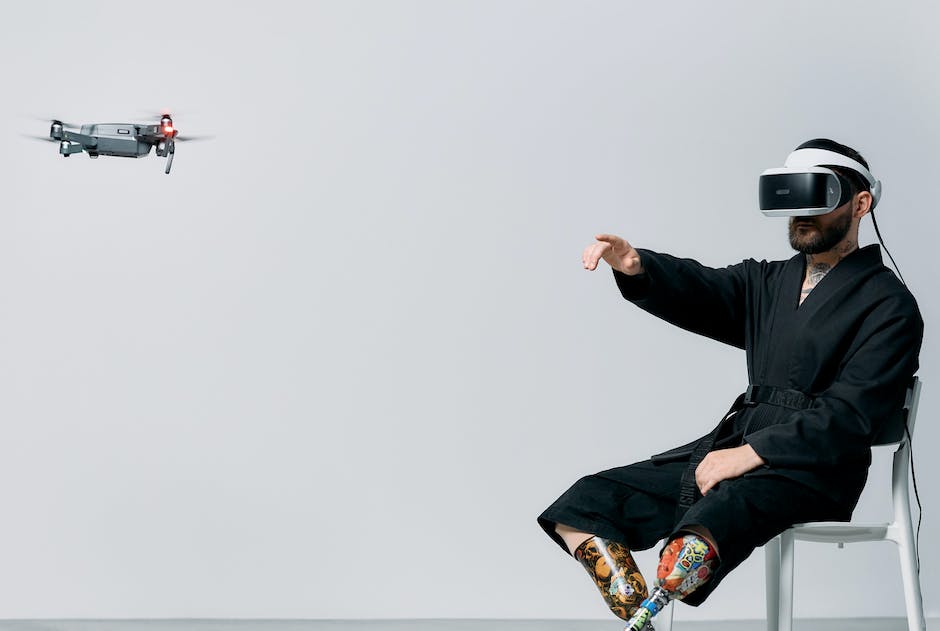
852,346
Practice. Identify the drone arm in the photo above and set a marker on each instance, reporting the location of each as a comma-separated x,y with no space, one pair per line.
88,142
149,131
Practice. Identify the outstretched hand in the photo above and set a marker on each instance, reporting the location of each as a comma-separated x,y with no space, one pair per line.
724,464
619,254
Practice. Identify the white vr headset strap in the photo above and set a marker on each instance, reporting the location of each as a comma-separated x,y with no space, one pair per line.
804,158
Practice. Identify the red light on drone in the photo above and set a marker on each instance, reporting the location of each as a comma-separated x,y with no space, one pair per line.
168,130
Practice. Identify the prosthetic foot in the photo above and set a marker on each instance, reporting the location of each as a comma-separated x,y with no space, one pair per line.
615,573
685,565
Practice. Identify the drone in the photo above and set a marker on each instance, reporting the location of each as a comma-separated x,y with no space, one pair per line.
127,140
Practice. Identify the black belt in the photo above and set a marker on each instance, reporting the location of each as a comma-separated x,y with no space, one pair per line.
782,397
772,395
688,489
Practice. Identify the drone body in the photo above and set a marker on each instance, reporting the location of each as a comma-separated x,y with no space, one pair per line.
126,140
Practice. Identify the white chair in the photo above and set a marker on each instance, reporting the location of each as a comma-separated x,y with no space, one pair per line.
779,551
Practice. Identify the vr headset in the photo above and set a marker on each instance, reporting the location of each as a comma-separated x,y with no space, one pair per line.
803,188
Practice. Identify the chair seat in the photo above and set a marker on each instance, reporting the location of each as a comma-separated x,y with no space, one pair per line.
841,532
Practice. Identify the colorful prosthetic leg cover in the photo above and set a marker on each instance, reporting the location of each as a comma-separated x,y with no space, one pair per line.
615,573
685,565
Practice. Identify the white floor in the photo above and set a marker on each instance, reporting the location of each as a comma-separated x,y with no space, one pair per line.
867,624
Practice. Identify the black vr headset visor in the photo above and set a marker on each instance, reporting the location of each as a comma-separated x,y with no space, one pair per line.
812,191
803,188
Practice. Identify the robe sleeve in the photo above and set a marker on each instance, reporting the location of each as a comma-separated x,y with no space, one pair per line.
867,392
700,299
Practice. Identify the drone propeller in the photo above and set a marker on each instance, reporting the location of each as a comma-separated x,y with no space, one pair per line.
56,121
34,137
156,113
188,138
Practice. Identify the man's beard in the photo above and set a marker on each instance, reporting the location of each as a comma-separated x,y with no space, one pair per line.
823,240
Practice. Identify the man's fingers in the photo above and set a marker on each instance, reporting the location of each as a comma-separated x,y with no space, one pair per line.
612,249
592,254
700,481
597,253
609,238
705,478
618,244
704,484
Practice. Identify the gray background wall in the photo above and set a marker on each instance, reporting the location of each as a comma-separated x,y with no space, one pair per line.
339,360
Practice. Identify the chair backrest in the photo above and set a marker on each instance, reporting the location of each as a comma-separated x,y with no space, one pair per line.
902,457
896,430
911,402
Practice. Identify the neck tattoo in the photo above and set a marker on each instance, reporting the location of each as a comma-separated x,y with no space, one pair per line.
817,272
848,246
814,273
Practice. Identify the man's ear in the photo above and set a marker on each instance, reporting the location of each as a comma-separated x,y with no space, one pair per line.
862,204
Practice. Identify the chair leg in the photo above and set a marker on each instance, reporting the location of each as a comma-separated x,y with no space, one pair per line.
772,582
785,617
912,596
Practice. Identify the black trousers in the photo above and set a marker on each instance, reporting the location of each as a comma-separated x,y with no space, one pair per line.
636,505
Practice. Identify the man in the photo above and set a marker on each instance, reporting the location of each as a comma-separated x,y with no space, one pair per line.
832,341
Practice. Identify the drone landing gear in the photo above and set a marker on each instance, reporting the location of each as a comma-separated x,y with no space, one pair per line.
167,148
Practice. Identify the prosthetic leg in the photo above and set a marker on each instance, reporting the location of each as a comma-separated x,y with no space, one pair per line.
615,573
685,565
